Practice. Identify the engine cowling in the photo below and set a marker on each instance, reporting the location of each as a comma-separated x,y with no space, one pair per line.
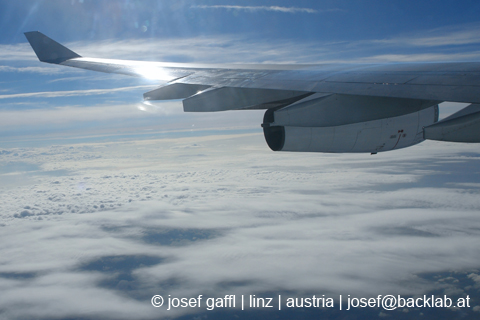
348,124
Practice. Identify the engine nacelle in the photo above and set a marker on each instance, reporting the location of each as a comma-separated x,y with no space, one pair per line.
302,128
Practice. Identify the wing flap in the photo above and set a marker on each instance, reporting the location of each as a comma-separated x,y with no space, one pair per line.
228,98
175,91
463,93
463,126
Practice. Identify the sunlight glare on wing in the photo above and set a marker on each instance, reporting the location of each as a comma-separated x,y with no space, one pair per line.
154,73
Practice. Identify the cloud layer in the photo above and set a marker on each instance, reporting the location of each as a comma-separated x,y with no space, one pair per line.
153,206
110,224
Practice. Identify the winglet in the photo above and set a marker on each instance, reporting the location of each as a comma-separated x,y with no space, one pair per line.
48,50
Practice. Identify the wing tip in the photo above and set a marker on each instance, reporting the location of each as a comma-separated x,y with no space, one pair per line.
47,49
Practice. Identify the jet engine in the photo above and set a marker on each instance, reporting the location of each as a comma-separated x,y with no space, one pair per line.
348,123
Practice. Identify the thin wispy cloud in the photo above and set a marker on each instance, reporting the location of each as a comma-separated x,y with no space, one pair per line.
448,36
238,49
71,93
261,8
16,52
423,57
245,50
42,70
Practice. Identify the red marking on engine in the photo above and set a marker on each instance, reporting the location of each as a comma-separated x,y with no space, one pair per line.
399,136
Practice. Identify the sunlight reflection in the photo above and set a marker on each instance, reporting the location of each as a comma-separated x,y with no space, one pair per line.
153,73
148,107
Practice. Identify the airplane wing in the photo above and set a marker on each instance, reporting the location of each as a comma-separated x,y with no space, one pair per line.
313,108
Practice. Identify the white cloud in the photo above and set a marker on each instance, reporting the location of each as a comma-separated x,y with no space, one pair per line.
260,8
73,93
421,57
42,70
16,52
242,49
235,49
227,215
113,120
447,36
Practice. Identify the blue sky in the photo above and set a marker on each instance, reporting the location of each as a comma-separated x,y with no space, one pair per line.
269,20
106,201
204,31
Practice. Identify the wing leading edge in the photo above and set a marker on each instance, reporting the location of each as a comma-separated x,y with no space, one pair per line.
207,88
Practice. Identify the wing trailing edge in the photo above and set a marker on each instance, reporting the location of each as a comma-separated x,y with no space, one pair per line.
175,91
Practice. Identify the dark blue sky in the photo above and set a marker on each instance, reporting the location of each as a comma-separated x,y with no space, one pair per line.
328,20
